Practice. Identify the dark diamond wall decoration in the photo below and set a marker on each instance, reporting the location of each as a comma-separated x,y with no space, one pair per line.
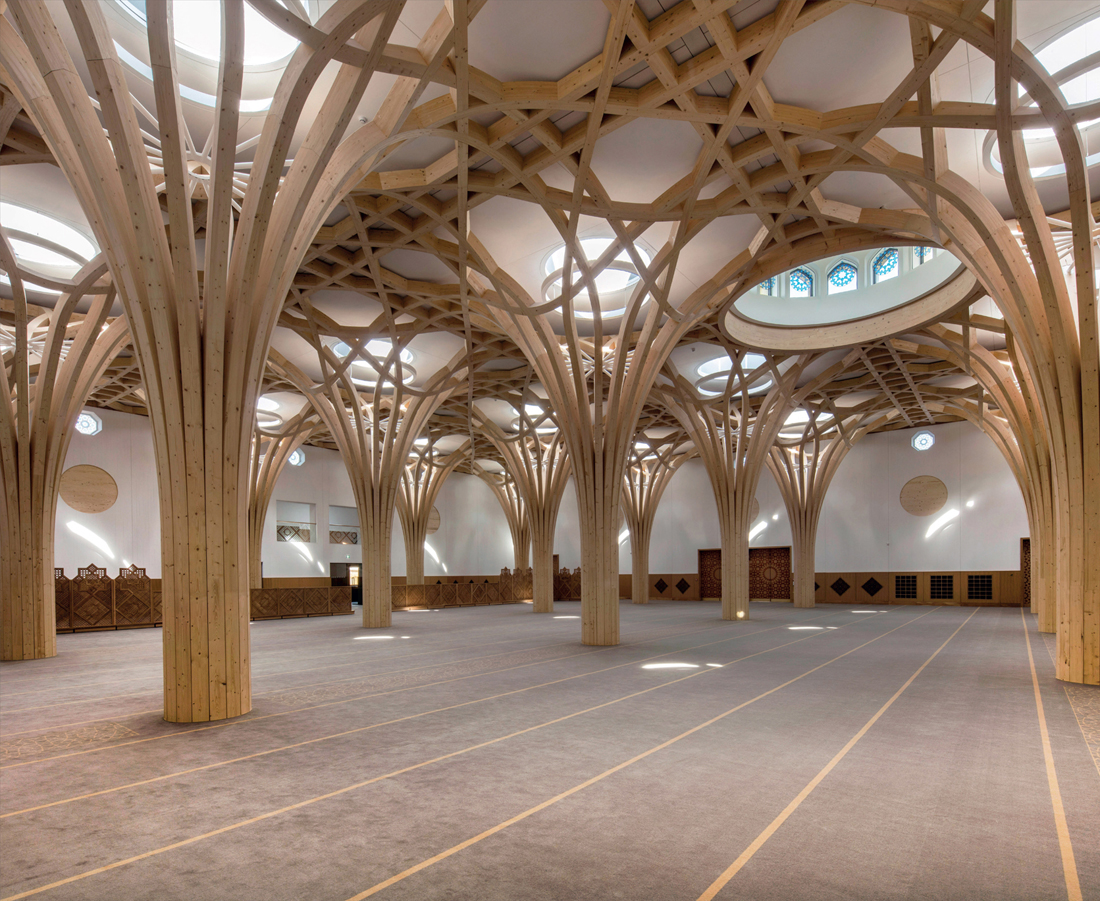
817,587
872,586
683,585
840,586
660,585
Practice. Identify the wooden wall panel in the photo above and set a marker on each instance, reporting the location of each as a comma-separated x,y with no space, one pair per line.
674,586
93,599
872,588
292,601
840,588
133,598
626,585
63,602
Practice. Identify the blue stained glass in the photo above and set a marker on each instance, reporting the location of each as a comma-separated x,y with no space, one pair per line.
767,286
922,254
802,283
842,277
886,264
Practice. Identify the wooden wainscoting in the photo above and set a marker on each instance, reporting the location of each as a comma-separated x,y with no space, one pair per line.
968,589
463,591
674,586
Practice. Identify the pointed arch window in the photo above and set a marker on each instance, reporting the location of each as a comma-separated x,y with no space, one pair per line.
922,255
802,283
843,277
885,265
767,287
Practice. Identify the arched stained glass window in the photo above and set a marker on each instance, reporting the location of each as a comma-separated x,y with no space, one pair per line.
922,255
802,283
885,265
767,286
843,277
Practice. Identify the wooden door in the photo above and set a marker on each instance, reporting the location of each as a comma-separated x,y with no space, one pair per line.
770,573
710,573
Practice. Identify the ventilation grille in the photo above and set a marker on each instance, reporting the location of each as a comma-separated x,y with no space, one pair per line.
979,588
942,588
905,588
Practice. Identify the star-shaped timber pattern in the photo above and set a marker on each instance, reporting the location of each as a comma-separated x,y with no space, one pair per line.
538,241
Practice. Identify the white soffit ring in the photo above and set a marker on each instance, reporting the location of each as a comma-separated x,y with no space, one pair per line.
930,307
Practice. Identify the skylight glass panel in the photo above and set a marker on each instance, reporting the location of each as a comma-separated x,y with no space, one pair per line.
197,25
39,225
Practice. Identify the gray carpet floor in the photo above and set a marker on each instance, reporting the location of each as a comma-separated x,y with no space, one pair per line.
484,753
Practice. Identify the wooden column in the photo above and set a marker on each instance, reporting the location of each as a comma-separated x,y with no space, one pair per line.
201,347
652,465
67,353
421,479
535,458
270,455
732,433
803,468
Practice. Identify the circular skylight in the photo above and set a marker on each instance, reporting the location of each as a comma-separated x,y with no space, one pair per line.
197,25
922,441
267,405
363,372
616,277
713,375
297,457
795,423
73,249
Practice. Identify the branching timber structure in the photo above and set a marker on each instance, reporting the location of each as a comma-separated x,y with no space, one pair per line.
379,242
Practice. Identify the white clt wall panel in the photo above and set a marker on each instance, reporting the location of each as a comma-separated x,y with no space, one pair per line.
131,527
473,537
864,528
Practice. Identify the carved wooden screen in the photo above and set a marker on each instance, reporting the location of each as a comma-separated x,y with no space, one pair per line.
92,594
1025,567
63,602
133,598
710,573
770,573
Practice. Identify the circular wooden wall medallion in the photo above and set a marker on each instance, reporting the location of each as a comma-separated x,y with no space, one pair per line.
755,511
923,496
433,521
88,489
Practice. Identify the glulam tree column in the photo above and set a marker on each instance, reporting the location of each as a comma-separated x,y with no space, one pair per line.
732,434
201,346
535,457
421,479
652,465
803,471
271,453
1005,411
510,498
52,363
374,418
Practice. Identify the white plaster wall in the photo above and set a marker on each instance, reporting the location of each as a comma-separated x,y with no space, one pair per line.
864,528
473,537
131,528
321,480
687,520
